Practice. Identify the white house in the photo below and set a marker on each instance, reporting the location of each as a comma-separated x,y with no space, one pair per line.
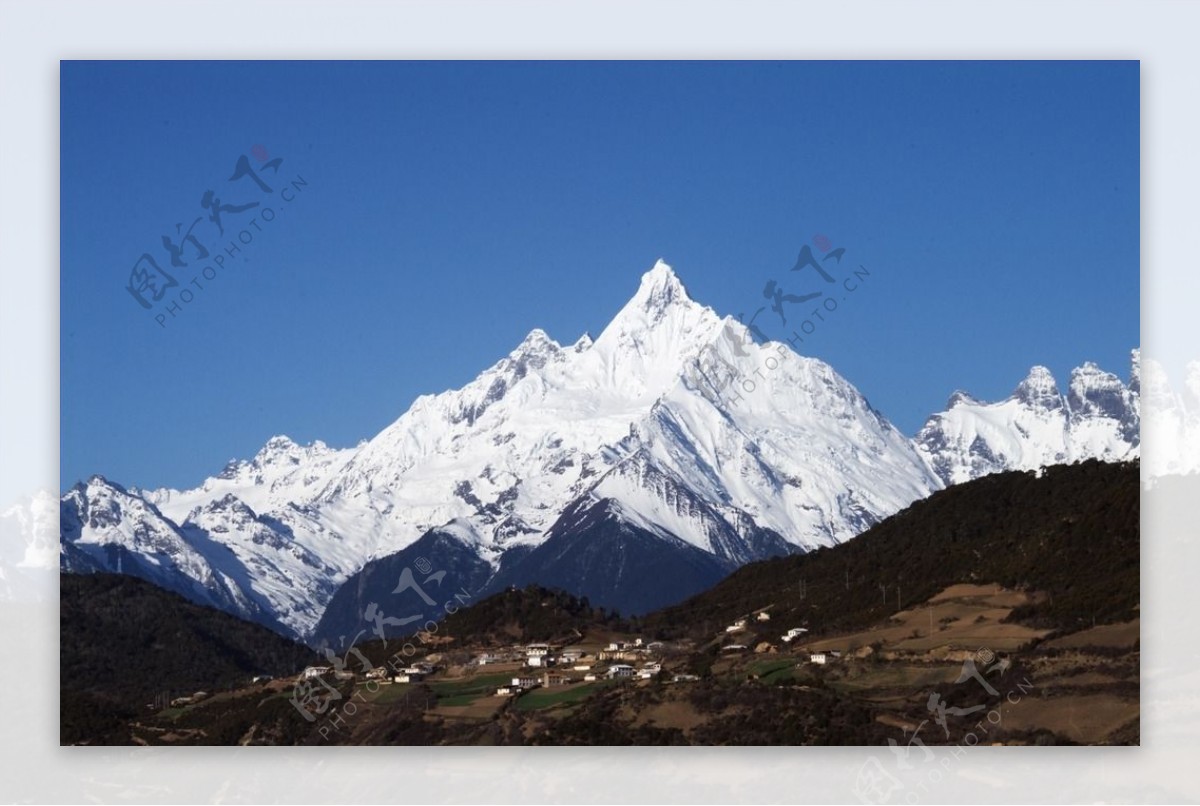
620,670
734,648
525,682
627,653
794,632
590,677
736,626
507,691
537,655
763,615
818,657
581,667
684,678
649,670
315,671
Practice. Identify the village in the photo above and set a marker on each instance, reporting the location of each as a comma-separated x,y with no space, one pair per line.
484,688
580,664
535,665
474,681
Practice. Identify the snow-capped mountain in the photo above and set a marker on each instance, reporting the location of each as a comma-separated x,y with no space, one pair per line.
636,468
630,424
277,565
623,418
1098,418
107,528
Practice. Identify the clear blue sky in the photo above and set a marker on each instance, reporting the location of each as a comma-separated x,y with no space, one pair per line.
452,207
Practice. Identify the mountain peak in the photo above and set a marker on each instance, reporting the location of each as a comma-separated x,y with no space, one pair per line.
645,346
538,341
961,397
279,442
1039,389
277,449
97,480
659,289
281,451
1095,392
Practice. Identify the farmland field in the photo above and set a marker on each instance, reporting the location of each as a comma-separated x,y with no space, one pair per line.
546,698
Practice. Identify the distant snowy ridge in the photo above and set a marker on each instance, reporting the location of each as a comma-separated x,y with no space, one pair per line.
1098,418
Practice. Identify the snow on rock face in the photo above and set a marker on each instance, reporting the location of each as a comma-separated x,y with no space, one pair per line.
1096,393
1039,390
261,553
1099,418
105,528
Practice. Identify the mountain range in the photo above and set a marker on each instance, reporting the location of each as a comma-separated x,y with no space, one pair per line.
1098,418
635,469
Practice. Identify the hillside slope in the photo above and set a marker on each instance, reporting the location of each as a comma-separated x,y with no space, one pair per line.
1071,531
124,642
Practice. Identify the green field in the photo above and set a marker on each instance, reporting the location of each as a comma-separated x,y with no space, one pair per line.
771,670
467,690
785,673
549,697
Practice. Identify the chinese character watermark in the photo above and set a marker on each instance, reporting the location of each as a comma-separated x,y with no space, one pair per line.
914,760
313,697
719,378
165,284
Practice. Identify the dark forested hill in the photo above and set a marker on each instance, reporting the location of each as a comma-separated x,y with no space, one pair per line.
1071,531
125,642
521,615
